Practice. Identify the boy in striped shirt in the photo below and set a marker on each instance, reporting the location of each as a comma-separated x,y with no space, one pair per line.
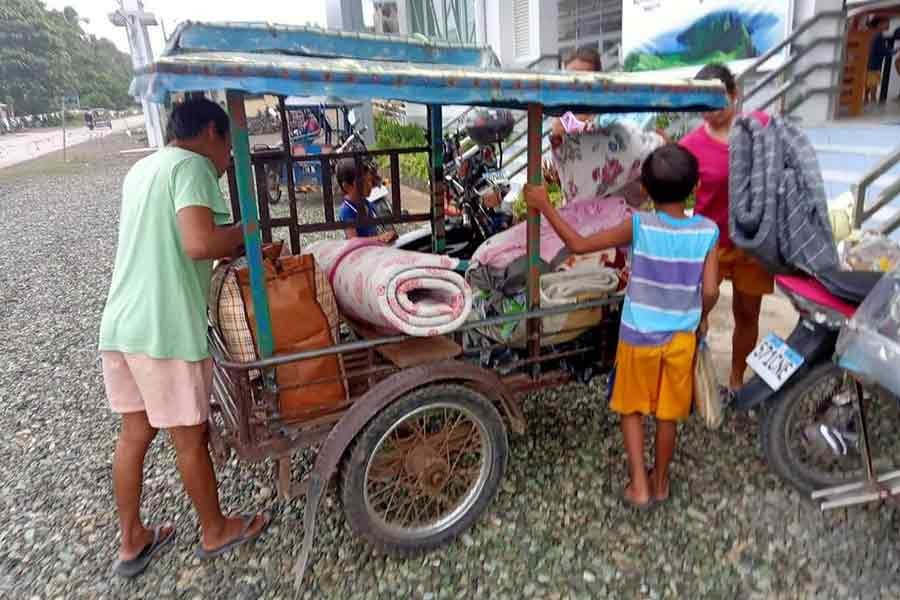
674,285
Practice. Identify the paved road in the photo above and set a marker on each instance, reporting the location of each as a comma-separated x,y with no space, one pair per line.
20,147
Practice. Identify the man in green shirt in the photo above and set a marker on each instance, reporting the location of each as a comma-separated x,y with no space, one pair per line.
156,365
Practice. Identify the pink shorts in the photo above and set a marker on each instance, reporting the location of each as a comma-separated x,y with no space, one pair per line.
174,393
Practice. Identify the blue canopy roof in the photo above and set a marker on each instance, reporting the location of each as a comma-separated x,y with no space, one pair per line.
291,75
269,38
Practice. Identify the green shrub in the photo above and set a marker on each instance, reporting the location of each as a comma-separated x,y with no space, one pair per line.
390,134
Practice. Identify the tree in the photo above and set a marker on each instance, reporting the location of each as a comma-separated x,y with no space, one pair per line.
44,54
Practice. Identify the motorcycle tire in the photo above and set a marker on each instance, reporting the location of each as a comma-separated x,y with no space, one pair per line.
778,425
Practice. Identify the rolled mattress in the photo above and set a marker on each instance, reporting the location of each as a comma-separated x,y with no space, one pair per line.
395,291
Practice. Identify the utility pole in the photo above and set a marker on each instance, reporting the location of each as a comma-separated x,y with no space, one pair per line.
64,127
135,20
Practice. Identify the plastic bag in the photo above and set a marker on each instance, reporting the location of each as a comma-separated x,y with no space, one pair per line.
869,344
869,251
707,401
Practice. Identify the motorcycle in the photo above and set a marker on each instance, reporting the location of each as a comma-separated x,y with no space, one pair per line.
812,426
474,186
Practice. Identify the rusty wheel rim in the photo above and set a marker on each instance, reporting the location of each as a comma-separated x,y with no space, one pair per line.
427,470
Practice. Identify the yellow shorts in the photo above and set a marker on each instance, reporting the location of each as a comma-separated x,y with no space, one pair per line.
746,274
656,380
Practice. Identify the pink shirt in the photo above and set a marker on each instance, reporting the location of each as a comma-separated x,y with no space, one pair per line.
712,195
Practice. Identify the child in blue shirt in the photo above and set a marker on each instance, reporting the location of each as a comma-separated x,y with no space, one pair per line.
356,184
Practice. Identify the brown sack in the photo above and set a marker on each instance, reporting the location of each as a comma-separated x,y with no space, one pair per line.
298,324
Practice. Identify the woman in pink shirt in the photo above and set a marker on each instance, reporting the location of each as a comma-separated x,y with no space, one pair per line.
709,143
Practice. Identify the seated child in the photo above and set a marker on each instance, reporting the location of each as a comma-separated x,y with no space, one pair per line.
356,184
674,285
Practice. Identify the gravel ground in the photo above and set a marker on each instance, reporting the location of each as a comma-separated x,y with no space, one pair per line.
556,530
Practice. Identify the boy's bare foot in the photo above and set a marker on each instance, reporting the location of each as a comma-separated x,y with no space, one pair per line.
637,497
660,486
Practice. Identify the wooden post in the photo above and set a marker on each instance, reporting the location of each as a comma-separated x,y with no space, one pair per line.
240,142
535,177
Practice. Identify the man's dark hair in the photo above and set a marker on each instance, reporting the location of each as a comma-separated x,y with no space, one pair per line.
187,119
588,54
720,72
348,171
670,174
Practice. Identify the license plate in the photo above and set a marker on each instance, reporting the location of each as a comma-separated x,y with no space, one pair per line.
774,361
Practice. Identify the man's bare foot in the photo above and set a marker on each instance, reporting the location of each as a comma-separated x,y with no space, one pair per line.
233,529
140,539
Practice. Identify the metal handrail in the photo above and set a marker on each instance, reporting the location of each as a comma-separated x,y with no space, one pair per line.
783,68
860,212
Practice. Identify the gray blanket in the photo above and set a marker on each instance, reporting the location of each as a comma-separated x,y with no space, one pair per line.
778,211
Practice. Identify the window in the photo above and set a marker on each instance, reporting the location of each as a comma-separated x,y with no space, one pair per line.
521,28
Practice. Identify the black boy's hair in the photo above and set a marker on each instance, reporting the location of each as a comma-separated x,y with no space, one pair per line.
187,119
720,72
348,171
670,174
587,54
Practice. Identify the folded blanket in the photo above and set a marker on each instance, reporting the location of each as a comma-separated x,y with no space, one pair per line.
586,216
395,291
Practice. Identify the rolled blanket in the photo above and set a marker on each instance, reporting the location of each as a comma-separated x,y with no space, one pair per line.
395,291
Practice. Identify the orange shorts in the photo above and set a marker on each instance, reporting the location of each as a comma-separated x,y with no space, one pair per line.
656,380
746,274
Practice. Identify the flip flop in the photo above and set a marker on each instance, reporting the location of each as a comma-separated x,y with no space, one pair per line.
242,538
137,565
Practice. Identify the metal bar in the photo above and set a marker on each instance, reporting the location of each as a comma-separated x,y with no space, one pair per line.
240,142
891,225
438,234
276,155
884,198
859,210
289,167
327,193
535,177
396,208
816,91
350,347
262,194
864,433
838,77
852,487
342,225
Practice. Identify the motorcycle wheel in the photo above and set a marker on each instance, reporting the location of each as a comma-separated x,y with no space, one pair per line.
791,435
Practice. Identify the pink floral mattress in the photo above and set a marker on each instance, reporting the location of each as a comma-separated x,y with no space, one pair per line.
586,216
395,291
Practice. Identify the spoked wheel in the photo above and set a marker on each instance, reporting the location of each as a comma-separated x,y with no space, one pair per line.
273,183
424,470
811,435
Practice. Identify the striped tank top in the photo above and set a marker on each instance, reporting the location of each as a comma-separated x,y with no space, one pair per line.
665,292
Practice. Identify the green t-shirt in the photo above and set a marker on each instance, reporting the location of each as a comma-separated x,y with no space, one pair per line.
157,299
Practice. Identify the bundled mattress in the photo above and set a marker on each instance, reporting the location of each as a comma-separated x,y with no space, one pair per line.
586,216
392,290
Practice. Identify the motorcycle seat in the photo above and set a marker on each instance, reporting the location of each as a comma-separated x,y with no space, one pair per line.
852,286
814,291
